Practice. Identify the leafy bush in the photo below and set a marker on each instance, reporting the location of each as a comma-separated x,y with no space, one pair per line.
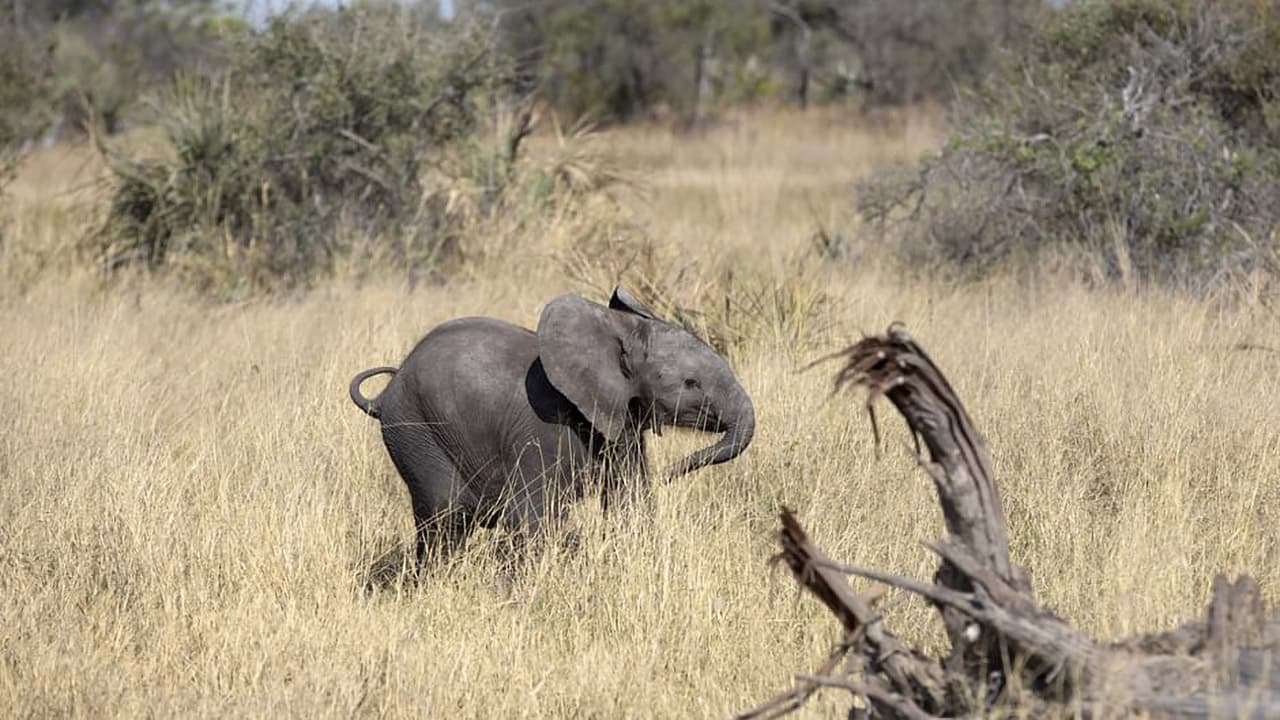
327,127
68,59
25,67
617,59
1144,132
914,50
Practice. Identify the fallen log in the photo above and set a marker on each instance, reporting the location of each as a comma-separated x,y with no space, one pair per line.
1008,654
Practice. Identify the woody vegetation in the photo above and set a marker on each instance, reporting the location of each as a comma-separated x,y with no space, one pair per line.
1008,654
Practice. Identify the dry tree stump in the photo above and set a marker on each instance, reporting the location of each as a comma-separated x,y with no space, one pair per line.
1008,654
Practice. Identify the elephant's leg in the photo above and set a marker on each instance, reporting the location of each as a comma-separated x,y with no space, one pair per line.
540,492
442,534
625,494
528,508
440,521
625,485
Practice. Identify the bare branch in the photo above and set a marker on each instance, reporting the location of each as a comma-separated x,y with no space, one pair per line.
1008,654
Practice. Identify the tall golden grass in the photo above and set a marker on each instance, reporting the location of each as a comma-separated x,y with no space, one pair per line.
194,520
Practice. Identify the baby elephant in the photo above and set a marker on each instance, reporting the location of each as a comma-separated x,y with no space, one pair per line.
492,424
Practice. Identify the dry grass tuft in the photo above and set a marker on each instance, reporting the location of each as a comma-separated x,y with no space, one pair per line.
196,522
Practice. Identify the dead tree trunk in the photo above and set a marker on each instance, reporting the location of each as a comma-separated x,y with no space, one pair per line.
1008,654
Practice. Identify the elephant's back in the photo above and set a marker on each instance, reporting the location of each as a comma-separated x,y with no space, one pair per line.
482,343
469,366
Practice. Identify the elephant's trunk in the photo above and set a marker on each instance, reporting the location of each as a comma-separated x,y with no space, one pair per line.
738,429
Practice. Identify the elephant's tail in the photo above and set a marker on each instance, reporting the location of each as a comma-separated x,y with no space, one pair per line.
362,402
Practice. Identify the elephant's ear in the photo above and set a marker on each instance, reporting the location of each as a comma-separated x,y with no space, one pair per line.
583,353
623,300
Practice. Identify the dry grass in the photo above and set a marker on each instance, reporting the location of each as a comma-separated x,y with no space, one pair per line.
196,522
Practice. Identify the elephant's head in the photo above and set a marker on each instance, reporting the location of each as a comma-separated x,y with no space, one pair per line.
627,370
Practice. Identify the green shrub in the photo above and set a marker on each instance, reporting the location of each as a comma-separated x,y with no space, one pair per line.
329,128
1142,131
914,50
25,67
65,61
619,59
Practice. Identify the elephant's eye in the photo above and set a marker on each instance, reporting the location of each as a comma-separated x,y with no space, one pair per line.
692,384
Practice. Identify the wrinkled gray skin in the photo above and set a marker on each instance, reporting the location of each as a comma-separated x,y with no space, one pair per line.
491,424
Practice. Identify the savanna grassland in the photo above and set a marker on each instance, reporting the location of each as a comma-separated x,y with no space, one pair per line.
195,521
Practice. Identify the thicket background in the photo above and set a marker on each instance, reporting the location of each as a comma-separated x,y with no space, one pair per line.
1133,140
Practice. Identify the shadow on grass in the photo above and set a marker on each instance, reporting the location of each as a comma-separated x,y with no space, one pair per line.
392,565
495,557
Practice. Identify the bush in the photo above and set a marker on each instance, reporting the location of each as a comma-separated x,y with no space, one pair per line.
25,67
619,59
66,60
1145,133
329,129
915,50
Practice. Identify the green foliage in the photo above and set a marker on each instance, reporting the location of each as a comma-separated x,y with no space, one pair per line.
616,59
328,127
1139,130
913,50
23,110
85,79
66,60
